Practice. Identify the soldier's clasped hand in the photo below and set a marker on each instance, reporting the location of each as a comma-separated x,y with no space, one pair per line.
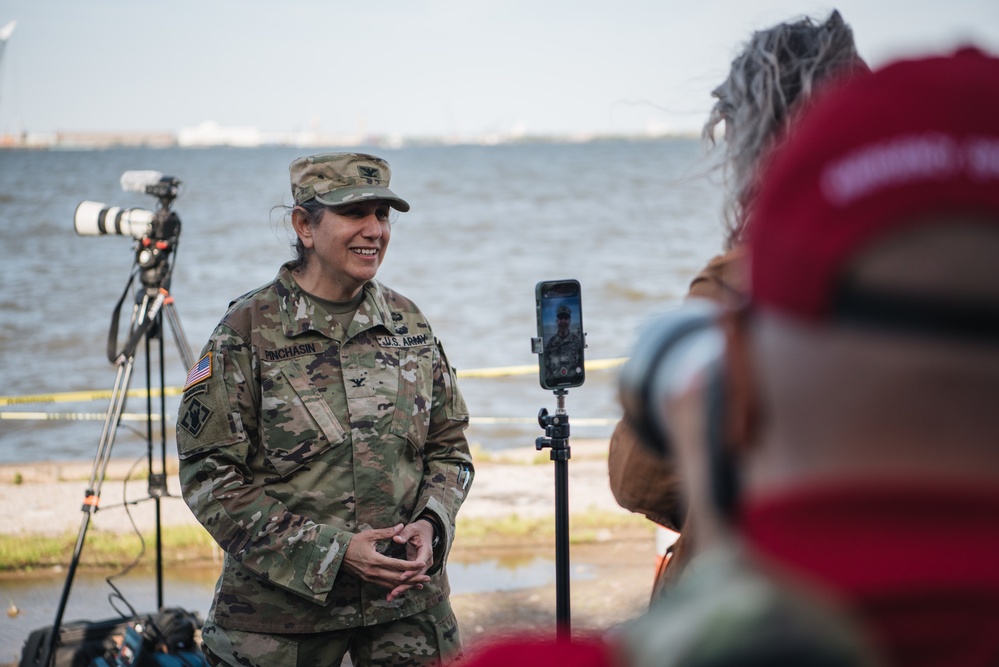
363,559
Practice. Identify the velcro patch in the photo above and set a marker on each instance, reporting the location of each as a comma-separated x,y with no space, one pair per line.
195,390
403,341
200,372
195,417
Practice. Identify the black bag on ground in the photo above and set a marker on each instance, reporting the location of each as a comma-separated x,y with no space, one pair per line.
78,644
165,639
168,639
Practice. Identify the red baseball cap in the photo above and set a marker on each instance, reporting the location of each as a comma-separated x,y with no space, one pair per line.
869,157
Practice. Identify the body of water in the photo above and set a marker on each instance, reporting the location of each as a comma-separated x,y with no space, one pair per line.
632,221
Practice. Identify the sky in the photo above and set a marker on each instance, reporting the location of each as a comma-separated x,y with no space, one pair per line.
415,68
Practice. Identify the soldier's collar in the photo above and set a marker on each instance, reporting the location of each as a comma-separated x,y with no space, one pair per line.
301,312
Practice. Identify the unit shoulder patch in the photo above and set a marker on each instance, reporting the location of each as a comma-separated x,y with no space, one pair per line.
195,417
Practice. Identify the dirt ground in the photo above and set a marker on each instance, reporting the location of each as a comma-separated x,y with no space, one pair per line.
616,589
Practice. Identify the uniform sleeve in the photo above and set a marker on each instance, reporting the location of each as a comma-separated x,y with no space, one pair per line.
448,470
218,443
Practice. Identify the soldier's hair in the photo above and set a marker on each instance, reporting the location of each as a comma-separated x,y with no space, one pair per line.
777,68
313,214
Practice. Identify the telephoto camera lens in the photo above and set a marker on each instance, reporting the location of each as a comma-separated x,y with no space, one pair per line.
96,219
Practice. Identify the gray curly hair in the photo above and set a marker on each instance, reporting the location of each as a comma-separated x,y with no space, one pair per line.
778,67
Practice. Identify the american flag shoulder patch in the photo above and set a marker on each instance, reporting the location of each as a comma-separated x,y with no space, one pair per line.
200,372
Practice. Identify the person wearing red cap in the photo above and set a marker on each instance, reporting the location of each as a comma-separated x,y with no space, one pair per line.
875,289
866,372
863,378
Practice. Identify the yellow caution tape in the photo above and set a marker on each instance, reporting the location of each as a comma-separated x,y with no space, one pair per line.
138,416
105,394
74,416
576,421
80,396
506,371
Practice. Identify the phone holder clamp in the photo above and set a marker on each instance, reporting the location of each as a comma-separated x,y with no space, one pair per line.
537,346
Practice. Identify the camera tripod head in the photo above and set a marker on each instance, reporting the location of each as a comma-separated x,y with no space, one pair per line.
163,232
164,188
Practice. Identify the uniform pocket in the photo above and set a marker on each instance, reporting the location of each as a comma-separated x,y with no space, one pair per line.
448,640
415,397
455,408
247,648
297,424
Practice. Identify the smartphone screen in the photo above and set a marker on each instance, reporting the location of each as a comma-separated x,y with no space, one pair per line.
560,327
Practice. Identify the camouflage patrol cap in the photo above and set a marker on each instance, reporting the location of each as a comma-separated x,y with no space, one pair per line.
342,178
563,310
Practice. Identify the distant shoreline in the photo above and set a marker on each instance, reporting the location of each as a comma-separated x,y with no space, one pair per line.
252,138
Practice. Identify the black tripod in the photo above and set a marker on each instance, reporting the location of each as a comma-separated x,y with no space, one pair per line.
152,300
557,438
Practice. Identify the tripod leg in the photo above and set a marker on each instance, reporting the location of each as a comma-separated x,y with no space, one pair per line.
185,354
92,497
178,334
101,459
157,481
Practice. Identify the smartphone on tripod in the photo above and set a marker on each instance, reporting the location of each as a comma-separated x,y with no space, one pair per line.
560,330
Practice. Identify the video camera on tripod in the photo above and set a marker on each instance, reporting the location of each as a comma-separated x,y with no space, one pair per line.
156,237
156,232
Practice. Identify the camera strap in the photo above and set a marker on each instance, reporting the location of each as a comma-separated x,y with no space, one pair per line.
113,331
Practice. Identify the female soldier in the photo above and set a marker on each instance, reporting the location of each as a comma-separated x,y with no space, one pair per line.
321,443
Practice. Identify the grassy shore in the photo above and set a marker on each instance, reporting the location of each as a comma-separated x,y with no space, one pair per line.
187,544
510,505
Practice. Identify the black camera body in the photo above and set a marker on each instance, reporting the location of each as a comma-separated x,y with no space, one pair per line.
673,352
165,189
97,219
156,234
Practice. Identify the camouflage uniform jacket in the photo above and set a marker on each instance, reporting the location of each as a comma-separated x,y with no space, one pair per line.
294,435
